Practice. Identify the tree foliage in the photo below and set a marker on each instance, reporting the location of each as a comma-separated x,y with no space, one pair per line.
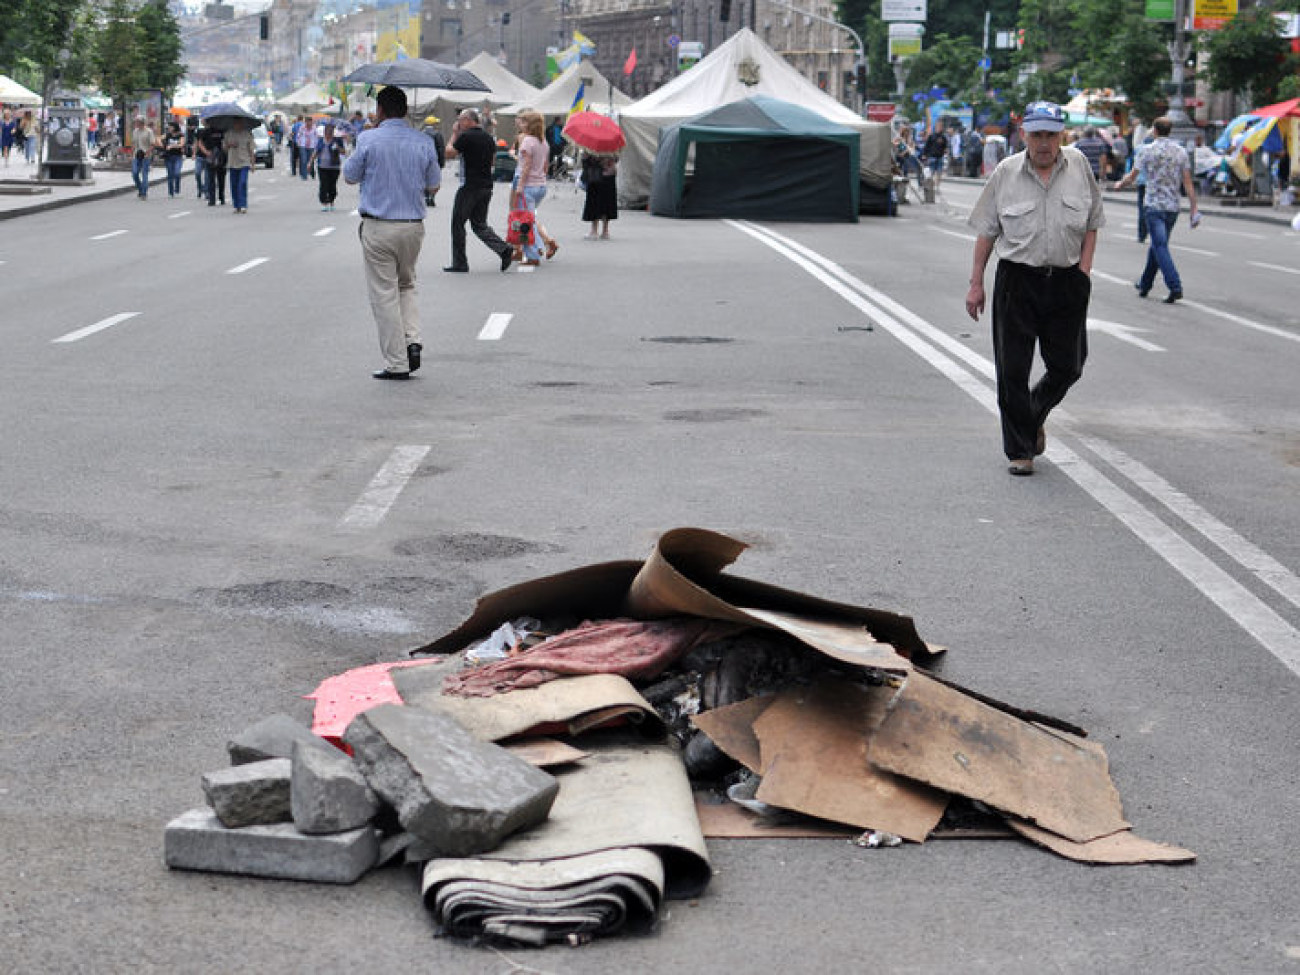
32,35
1248,56
161,47
119,51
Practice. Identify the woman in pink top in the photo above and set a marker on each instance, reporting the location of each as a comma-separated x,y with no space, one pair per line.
533,157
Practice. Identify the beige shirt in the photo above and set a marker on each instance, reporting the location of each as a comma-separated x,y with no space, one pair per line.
239,148
142,137
1038,224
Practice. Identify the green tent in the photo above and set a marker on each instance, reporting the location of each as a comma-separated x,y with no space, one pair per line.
759,158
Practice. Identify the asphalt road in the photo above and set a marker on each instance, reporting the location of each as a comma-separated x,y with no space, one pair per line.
191,539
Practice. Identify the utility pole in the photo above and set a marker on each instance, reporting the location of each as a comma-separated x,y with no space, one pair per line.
862,51
1178,57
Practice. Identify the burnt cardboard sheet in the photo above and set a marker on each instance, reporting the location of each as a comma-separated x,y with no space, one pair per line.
731,728
544,752
814,745
1118,848
938,735
571,705
684,576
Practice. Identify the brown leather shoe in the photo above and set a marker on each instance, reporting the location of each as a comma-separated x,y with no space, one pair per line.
1021,466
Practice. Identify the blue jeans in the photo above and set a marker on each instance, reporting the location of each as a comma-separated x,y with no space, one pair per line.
140,174
201,175
239,188
174,164
533,196
1160,224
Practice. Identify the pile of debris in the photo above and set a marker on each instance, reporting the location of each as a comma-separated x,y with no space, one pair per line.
556,765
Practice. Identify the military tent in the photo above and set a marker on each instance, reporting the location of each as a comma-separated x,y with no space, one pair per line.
737,69
759,158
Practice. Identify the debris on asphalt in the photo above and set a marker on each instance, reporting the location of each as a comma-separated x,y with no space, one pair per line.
667,701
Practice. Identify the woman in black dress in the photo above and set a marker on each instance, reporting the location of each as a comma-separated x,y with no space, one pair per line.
600,177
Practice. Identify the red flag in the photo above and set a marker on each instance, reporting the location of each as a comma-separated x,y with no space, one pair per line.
630,64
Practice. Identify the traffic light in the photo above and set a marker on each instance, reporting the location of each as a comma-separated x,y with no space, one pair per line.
862,77
264,27
724,10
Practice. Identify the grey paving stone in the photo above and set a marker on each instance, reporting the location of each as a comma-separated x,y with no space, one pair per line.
328,793
196,840
271,737
250,795
456,794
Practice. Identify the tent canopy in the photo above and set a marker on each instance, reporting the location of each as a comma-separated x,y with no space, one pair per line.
557,98
741,67
309,97
759,158
12,93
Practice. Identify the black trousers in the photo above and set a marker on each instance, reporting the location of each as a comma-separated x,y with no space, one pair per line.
1047,308
216,184
471,204
329,185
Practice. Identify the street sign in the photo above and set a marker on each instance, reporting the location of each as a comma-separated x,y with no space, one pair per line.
985,64
881,111
902,10
673,40
1212,14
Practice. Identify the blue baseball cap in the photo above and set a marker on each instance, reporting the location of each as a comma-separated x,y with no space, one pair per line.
1043,117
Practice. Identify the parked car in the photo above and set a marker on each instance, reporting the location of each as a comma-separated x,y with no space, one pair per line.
263,148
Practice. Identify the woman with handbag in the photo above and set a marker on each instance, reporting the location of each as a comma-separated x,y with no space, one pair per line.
533,157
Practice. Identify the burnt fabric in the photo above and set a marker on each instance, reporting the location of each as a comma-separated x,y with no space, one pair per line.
635,649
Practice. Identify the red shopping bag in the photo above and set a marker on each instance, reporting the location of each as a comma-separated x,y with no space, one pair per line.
519,228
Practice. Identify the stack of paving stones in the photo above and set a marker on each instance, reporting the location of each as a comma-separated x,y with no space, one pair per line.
294,807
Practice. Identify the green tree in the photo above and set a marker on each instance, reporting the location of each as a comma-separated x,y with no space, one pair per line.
1248,57
119,52
33,35
161,46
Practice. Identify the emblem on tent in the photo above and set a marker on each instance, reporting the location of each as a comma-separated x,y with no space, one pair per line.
747,72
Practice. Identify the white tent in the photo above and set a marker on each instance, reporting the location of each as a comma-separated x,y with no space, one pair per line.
742,67
12,93
557,97
507,88
308,98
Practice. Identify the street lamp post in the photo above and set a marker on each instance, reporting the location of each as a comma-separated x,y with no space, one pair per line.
1177,112
862,51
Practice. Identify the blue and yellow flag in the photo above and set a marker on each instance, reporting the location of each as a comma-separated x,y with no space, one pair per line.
586,46
579,99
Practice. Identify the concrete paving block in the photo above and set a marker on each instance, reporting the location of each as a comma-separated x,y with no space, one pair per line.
457,794
271,737
197,840
250,795
328,793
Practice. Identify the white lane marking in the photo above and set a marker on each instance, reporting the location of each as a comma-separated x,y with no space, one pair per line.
248,266
1254,616
323,232
524,268
1192,250
111,233
1124,333
953,233
264,199
495,327
1275,267
383,490
109,322
1233,233
177,216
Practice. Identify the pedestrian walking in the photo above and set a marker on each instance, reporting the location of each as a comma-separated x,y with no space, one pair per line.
600,181
431,129
1040,210
306,143
1096,150
142,145
476,151
240,155
531,172
27,128
8,130
200,161
934,151
210,143
1166,167
396,167
327,160
173,149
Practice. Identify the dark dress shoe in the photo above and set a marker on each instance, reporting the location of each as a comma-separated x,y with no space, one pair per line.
1172,297
413,355
507,256
1142,292
453,267
386,374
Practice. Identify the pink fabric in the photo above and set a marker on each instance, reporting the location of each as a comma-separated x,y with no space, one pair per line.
636,649
533,158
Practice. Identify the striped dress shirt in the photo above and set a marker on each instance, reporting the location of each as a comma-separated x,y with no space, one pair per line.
395,165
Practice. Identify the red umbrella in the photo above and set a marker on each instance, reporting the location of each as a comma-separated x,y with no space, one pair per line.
1286,109
594,131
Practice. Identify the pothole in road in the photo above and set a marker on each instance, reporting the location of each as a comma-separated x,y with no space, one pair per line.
468,547
280,592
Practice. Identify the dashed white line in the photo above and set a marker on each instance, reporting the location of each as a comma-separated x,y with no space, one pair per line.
177,216
1124,333
1275,267
1237,233
267,198
323,232
495,327
99,326
384,489
249,265
111,233
1192,250
953,233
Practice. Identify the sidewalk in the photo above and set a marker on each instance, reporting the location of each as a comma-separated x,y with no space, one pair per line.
20,193
1211,207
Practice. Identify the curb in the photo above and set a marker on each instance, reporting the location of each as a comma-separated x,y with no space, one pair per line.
56,203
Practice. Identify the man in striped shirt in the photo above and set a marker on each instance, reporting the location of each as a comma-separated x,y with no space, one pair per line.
396,167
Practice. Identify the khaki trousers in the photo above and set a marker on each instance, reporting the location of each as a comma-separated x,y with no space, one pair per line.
390,249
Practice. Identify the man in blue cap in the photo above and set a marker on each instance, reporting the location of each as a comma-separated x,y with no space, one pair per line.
1040,210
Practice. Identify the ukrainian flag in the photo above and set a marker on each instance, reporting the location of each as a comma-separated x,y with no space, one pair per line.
585,44
579,99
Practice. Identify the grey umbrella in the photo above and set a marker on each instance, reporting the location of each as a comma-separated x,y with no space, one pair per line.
417,73
222,116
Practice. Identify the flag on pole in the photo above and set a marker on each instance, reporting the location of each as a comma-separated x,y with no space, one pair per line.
585,44
630,64
579,99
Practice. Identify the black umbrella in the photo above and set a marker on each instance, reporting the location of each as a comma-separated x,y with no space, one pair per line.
417,73
222,116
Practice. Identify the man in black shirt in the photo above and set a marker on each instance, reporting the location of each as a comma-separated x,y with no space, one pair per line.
476,152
